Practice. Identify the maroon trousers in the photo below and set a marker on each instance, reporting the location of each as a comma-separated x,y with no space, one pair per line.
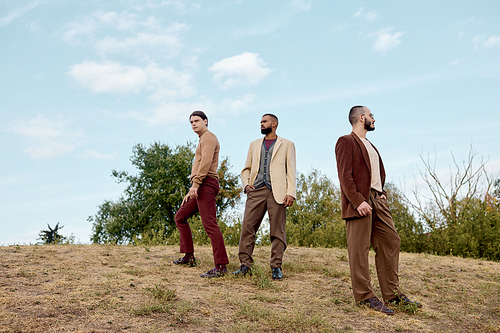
205,204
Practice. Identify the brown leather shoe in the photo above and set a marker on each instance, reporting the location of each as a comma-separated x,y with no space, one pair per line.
402,299
190,262
215,272
377,305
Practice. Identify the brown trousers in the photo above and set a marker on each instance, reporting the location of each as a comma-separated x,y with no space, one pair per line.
258,202
379,230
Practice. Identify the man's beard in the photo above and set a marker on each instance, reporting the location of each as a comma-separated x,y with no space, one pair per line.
368,125
266,131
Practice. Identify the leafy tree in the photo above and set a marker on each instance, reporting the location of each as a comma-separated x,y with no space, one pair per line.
440,209
460,215
315,218
230,188
411,231
496,189
146,210
478,231
51,236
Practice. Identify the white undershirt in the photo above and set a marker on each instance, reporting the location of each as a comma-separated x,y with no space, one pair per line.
376,183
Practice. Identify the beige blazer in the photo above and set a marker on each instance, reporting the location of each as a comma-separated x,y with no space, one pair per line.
282,168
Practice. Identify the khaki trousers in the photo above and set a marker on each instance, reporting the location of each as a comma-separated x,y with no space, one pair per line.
379,230
258,202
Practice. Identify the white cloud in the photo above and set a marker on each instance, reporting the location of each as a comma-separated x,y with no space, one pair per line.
34,26
109,77
48,138
237,106
123,21
191,62
169,83
197,5
18,12
129,34
240,70
265,28
169,113
74,30
456,62
492,41
157,4
275,21
95,155
358,13
301,5
385,40
49,150
138,43
370,16
481,41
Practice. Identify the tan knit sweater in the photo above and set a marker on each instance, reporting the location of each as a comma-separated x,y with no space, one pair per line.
206,159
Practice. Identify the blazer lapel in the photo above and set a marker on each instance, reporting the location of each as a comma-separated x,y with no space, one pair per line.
277,144
361,145
256,151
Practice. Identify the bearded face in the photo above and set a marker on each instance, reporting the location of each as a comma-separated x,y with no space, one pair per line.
266,131
369,124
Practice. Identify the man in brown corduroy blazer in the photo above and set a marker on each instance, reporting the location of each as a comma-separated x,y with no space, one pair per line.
368,219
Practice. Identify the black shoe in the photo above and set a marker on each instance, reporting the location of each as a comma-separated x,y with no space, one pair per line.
244,270
375,304
277,275
402,299
190,262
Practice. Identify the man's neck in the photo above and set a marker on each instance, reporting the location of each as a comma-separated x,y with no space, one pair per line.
360,132
202,132
271,136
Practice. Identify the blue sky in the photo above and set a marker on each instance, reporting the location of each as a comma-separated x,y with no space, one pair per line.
82,81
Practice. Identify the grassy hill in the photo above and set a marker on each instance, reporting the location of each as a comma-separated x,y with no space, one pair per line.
103,288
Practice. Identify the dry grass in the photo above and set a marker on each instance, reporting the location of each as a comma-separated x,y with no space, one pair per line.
101,288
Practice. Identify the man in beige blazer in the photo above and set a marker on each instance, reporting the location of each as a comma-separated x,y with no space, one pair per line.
269,181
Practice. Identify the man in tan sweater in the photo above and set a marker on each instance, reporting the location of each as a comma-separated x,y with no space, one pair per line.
201,198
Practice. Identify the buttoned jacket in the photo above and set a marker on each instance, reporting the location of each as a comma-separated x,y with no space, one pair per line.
282,167
354,170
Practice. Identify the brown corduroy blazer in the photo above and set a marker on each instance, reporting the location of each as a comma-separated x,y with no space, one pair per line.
354,169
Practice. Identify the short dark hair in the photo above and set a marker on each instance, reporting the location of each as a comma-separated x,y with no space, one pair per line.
200,114
272,116
355,112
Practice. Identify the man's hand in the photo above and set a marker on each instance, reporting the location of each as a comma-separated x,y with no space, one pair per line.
364,209
247,187
193,193
382,196
288,202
